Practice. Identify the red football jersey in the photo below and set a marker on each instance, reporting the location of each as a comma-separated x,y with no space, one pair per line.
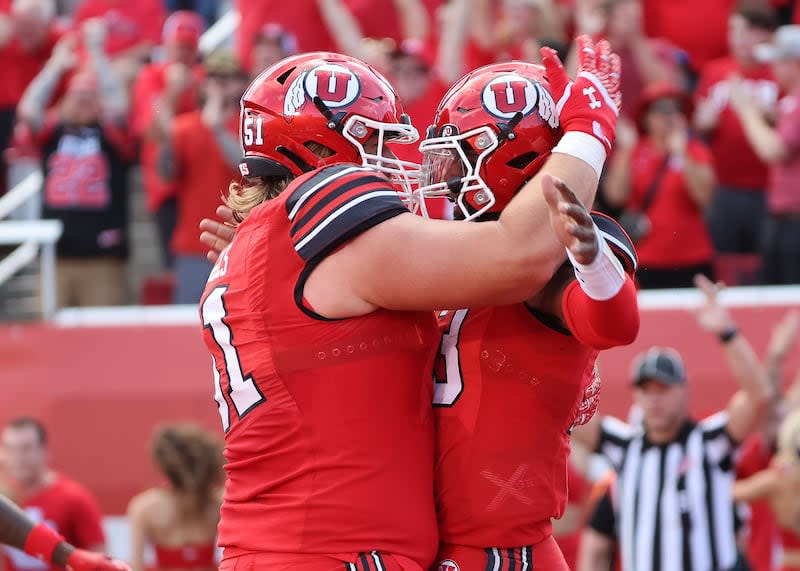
68,508
506,392
329,427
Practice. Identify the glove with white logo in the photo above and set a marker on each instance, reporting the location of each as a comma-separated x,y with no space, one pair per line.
591,103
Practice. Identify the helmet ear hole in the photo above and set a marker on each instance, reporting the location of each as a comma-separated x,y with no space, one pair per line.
523,161
319,149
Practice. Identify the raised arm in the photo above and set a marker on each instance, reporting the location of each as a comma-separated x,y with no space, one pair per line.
37,96
113,92
343,27
414,20
452,37
783,338
749,404
764,139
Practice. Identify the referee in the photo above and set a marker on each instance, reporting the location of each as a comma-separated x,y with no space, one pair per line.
674,475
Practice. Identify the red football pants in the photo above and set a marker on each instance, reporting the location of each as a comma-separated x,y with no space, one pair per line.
544,556
365,561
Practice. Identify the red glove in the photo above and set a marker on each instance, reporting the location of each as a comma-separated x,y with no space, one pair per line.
591,103
82,560
588,405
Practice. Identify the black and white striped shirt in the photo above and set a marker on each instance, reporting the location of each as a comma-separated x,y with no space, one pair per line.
675,511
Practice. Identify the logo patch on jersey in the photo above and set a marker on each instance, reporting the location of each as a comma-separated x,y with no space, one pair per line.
336,85
509,94
449,565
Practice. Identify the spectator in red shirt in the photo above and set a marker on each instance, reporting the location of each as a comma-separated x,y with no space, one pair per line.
163,91
664,180
738,208
45,495
779,147
201,158
85,153
271,44
27,36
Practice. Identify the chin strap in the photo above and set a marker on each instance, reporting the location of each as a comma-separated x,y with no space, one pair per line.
334,121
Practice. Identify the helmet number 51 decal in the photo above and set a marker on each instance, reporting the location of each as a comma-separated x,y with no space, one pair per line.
253,131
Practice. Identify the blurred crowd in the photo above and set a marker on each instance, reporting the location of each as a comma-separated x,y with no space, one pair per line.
118,101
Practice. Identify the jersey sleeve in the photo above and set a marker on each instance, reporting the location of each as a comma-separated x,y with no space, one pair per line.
337,204
602,324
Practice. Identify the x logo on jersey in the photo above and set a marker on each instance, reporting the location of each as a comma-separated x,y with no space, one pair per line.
509,488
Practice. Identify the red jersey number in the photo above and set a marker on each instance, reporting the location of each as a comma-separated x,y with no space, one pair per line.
242,390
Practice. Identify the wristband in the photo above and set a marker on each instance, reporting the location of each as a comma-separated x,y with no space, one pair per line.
42,542
604,277
584,147
728,335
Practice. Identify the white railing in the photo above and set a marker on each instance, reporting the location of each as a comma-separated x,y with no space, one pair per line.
31,235
219,32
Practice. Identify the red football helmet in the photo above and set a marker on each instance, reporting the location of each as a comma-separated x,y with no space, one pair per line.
333,100
493,131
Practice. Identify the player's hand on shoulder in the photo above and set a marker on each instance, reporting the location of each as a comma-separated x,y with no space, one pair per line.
571,222
218,235
82,560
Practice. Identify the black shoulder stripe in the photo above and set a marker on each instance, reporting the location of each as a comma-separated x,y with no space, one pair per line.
318,177
323,197
350,221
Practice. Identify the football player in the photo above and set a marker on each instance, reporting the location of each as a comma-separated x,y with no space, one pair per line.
318,314
40,541
512,380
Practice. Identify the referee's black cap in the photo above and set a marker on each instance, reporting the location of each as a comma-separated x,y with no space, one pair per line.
663,364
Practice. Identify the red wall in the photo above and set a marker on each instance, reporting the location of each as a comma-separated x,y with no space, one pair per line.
102,390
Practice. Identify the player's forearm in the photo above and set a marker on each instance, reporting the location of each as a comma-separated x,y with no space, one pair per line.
525,221
602,324
17,530
14,524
